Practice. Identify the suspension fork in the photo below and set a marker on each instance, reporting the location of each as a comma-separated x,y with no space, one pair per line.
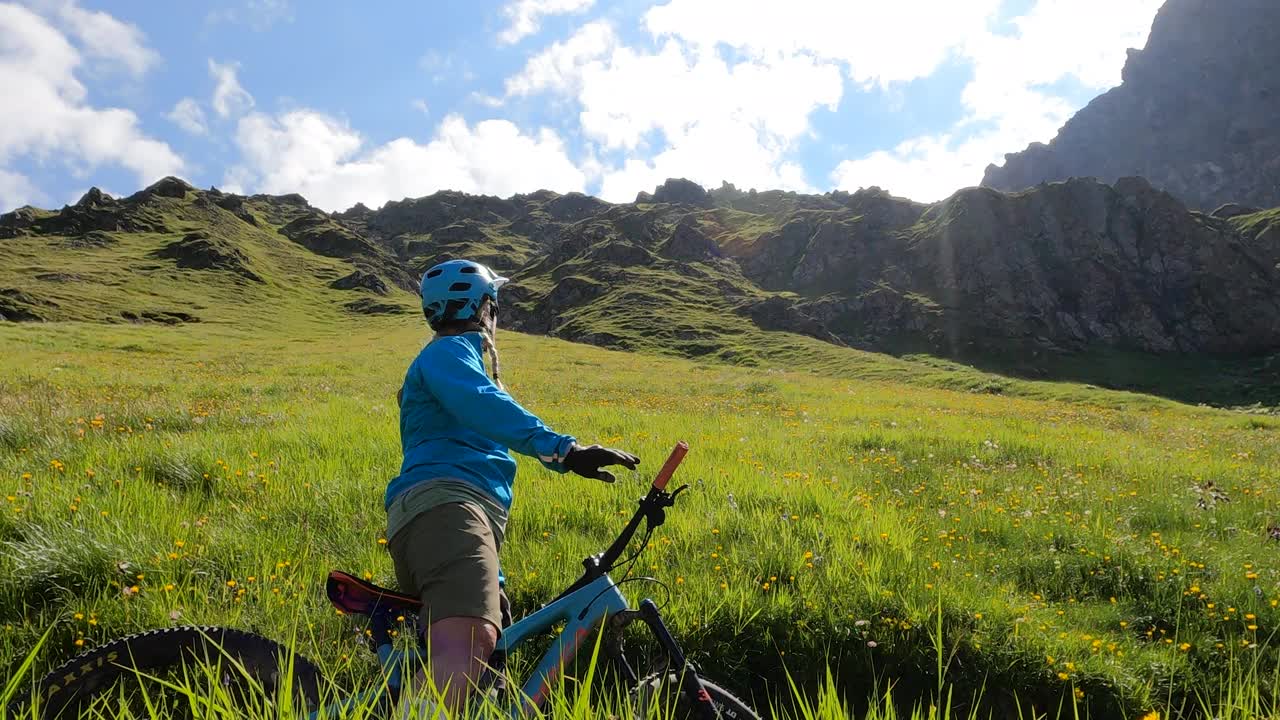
690,684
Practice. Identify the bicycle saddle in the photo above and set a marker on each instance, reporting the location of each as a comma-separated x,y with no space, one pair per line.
353,595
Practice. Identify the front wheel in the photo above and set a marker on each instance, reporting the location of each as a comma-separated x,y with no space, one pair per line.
177,672
658,697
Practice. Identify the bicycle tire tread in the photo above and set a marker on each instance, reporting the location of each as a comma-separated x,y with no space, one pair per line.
80,677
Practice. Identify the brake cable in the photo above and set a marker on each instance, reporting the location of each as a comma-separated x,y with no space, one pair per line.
644,545
630,561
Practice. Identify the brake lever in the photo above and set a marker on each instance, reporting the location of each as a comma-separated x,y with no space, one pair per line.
667,499
656,515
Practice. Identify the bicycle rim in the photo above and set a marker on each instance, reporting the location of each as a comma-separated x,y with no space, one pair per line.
658,697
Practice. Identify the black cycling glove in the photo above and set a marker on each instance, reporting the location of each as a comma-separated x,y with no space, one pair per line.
587,461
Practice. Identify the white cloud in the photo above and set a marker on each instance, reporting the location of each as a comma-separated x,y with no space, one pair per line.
45,114
187,115
716,121
1061,38
105,37
877,41
707,153
421,106
927,168
559,68
488,101
17,190
321,157
259,15
675,92
1008,102
683,110
525,16
229,98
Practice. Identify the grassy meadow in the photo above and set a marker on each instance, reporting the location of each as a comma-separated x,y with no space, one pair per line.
922,531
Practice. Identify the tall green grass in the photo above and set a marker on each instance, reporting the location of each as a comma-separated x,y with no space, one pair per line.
198,691
1060,552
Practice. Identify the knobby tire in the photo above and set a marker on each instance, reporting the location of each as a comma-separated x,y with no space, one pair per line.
249,667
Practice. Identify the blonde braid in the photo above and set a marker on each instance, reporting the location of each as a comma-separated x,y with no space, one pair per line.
490,346
489,343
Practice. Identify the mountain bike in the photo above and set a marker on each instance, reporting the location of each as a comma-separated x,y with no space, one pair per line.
241,666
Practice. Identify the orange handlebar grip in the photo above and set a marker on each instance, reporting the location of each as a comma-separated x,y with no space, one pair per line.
669,468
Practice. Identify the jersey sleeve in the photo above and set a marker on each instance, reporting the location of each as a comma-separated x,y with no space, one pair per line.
453,371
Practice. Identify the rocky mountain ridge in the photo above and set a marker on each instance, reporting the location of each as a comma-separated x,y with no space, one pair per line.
1064,266
1196,112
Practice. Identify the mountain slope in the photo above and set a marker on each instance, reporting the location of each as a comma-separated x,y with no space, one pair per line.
1196,113
1008,281
1068,266
173,254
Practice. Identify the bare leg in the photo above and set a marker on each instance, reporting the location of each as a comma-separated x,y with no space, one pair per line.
460,650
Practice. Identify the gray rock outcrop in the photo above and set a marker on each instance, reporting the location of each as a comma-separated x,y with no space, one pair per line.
1196,114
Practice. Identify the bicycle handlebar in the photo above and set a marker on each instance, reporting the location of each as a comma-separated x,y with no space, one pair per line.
669,467
651,509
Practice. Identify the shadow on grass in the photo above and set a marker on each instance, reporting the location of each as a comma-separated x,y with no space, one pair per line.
1218,381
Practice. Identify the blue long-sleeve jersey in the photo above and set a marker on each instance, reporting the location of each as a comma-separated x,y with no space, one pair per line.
456,423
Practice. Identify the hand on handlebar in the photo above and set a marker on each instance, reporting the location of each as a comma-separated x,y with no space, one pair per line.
588,461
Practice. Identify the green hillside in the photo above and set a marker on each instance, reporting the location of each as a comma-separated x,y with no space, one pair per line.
179,261
710,275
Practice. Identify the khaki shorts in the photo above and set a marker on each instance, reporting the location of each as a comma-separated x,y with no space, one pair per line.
447,556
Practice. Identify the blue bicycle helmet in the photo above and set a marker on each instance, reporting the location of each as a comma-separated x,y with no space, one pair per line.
453,290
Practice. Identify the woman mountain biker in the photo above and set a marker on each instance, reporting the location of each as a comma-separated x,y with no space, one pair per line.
447,510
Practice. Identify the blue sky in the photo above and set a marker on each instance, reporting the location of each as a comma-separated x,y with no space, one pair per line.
371,102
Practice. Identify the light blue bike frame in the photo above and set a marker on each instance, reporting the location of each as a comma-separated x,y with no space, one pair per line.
581,611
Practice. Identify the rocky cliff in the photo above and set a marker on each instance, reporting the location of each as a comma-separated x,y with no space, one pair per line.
1196,113
1064,266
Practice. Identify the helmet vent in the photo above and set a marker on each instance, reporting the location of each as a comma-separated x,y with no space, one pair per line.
460,287
434,272
469,269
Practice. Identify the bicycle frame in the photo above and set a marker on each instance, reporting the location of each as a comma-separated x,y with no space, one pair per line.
581,611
